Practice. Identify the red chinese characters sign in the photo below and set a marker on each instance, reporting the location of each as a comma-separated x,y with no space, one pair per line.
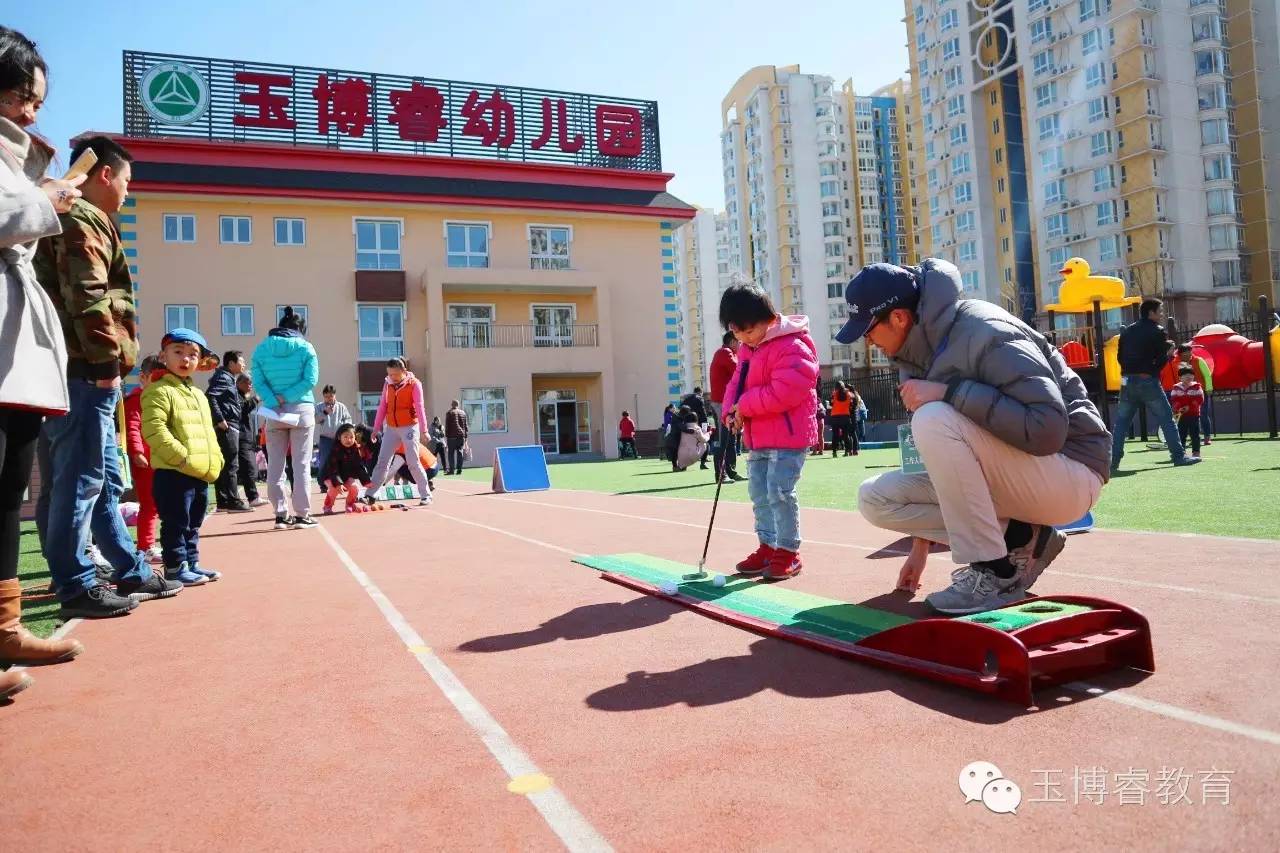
381,113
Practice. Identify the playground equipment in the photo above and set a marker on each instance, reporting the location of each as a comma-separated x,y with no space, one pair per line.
1008,653
1236,361
1082,292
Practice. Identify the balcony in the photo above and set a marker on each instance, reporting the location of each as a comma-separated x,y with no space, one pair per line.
526,336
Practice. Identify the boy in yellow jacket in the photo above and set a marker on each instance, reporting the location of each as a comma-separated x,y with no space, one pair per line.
178,427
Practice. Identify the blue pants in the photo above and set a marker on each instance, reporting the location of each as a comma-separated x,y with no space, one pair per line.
1206,418
85,493
772,486
181,501
1137,392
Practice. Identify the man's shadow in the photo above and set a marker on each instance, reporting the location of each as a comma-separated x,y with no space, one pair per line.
581,623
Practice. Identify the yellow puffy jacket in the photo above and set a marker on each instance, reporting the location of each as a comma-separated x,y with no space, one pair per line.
177,426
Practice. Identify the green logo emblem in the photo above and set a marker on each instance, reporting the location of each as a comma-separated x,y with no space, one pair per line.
173,93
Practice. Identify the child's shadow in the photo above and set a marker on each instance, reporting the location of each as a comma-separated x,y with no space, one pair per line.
581,623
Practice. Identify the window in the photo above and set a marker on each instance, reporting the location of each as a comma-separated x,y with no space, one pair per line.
919,15
961,163
182,317
237,320
1099,108
955,106
1042,62
470,326
935,233
1095,75
1056,225
1100,143
1091,42
1221,202
179,228
378,244
486,409
950,78
1088,10
1226,273
950,48
1050,160
831,208
1036,5
369,408
1055,191
1104,178
1222,237
964,193
1041,30
1058,256
1109,247
970,280
1217,167
960,134
1046,93
1106,213
1210,62
1206,27
301,310
920,40
1213,131
949,20
235,229
381,331
466,244
965,221
291,232
1212,96
967,251
929,150
549,247
831,229
934,204
1048,126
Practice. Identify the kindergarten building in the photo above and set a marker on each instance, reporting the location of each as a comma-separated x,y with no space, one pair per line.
514,245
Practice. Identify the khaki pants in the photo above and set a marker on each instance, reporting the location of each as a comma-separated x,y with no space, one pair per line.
975,484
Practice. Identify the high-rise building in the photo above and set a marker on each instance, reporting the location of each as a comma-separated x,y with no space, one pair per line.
704,270
814,188
1105,129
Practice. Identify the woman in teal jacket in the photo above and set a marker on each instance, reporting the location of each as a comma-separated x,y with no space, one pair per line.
285,371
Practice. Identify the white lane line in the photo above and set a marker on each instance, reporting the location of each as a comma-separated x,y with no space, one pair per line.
1209,593
1122,697
1174,712
566,821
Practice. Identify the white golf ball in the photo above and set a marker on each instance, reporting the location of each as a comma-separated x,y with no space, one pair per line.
719,580
669,587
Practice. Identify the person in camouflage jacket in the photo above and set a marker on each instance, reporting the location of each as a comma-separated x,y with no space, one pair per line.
85,273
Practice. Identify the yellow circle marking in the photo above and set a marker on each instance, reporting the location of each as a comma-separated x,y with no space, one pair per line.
530,783
419,650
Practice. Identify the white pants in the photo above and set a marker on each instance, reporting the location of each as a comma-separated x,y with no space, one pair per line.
975,484
392,438
283,440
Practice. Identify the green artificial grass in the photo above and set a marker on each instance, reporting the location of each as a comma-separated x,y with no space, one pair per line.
1234,492
39,612
785,606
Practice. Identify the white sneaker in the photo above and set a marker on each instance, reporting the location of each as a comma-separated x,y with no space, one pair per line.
973,591
258,501
424,502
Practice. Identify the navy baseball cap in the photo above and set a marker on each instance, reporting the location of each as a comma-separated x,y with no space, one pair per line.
873,292
187,336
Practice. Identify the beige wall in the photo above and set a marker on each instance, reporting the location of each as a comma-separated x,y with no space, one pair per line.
615,282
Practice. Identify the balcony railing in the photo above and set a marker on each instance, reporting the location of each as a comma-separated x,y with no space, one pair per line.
532,335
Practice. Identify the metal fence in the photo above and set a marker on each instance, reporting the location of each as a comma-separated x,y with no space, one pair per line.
489,336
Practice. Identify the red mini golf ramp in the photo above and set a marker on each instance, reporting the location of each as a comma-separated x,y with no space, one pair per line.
1038,642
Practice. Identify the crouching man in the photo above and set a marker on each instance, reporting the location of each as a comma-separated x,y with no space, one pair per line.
1010,441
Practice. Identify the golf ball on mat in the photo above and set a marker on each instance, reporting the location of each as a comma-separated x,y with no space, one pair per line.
669,587
718,580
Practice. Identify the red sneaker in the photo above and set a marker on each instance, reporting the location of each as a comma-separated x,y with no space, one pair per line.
785,564
757,562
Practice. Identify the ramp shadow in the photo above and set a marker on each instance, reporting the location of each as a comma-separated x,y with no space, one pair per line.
581,623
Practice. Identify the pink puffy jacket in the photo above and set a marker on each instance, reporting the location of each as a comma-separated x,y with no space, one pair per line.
779,402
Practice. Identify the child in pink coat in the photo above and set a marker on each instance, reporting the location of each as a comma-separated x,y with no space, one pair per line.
771,399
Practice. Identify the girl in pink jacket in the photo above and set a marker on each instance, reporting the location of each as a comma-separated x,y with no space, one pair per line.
771,399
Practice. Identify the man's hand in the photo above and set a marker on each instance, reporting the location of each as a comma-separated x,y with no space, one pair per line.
113,382
916,392
221,426
141,461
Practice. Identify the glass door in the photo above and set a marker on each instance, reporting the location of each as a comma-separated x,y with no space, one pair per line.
553,325
584,427
548,428
470,326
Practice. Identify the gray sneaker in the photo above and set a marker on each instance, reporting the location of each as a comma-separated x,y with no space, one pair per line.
1045,545
973,591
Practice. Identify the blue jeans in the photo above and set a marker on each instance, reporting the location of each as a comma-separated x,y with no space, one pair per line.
85,493
181,501
1206,418
772,486
326,447
1135,393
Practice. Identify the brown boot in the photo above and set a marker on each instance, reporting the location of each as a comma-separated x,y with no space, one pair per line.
17,644
14,682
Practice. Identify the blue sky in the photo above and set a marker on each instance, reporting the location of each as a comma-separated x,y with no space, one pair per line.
685,56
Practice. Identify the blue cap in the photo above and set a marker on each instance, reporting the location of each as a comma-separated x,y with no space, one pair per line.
189,336
873,292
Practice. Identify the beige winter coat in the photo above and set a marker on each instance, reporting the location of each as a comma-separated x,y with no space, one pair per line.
33,356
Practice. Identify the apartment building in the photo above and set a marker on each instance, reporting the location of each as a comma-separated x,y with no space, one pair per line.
703,271
534,280
1105,129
